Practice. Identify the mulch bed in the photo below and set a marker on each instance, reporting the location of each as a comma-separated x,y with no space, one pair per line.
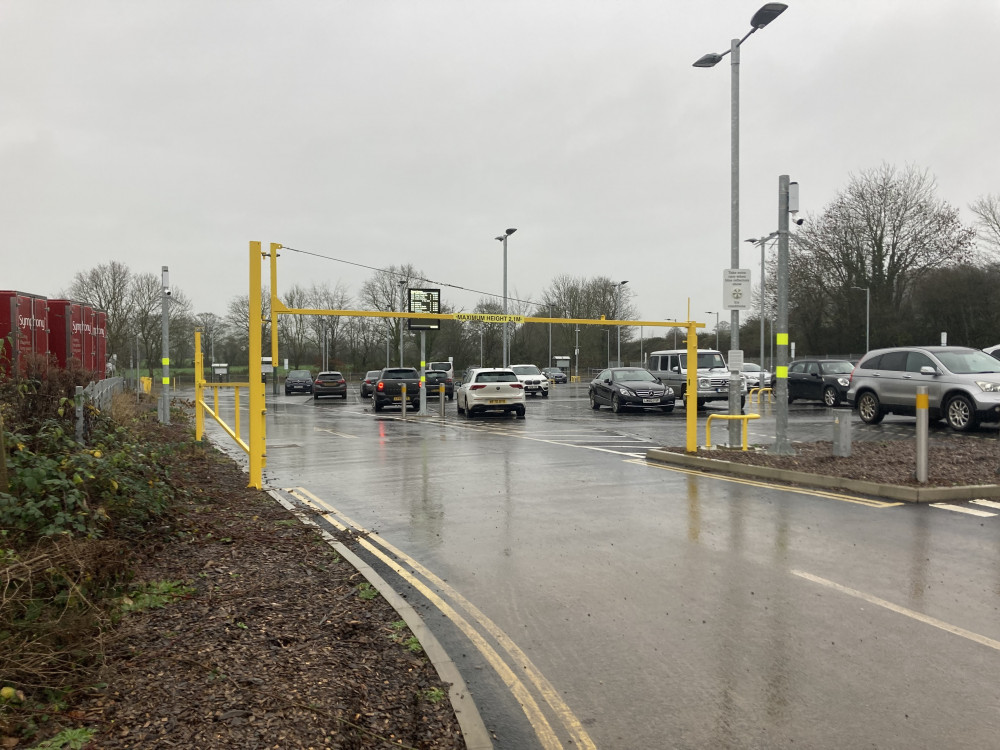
274,649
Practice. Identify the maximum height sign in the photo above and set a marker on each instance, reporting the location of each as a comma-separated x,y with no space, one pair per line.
737,292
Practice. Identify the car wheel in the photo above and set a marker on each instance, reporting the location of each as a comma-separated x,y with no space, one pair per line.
458,406
468,411
961,414
616,404
830,397
451,397
701,404
869,408
593,402
545,394
520,413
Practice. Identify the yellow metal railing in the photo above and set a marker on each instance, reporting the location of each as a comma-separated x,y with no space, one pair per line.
760,394
744,417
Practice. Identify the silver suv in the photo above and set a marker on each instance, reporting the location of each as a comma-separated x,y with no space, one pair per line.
670,367
963,385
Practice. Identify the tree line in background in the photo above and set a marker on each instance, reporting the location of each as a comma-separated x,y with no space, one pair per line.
886,237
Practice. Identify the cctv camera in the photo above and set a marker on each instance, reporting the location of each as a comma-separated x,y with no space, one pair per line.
800,222
167,292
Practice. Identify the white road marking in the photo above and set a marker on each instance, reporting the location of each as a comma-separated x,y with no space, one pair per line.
988,503
332,432
933,621
960,509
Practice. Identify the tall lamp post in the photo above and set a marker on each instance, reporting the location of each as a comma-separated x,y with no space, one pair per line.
763,243
506,326
402,308
868,308
618,307
716,314
767,13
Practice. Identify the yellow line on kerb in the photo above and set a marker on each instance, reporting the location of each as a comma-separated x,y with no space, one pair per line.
540,724
768,485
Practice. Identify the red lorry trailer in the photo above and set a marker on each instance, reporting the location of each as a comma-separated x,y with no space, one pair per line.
24,330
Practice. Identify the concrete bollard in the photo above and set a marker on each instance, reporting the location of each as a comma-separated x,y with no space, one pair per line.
842,432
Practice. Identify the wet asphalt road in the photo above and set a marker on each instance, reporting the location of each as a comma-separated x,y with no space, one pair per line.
602,602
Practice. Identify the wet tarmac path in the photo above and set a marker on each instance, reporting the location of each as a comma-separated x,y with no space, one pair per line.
592,600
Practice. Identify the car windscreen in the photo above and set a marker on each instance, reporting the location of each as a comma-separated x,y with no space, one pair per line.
496,377
706,361
637,376
836,368
300,375
968,362
526,370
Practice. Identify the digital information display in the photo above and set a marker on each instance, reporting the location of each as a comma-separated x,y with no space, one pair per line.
424,301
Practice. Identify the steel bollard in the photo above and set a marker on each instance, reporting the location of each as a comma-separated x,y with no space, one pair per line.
404,400
441,398
923,423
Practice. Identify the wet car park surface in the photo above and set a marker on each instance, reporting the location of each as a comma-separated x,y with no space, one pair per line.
641,606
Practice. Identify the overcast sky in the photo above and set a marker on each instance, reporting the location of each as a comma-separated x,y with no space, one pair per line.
381,132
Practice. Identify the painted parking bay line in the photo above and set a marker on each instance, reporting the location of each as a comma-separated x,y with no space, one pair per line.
988,503
540,724
962,509
912,614
333,432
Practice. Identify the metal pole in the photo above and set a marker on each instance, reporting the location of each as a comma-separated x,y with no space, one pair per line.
505,323
165,322
550,339
763,244
923,403
868,317
781,445
402,308
423,373
735,382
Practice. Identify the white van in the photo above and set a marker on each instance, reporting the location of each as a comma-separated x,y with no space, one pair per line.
448,367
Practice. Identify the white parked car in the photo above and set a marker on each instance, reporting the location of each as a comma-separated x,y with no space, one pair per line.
533,379
490,389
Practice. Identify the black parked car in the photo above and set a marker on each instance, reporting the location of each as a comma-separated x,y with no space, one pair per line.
368,383
632,388
823,380
433,380
298,381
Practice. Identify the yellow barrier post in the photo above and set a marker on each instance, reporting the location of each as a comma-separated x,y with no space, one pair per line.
745,418
199,390
257,406
691,389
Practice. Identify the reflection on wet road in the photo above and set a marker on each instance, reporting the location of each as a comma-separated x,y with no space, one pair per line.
664,608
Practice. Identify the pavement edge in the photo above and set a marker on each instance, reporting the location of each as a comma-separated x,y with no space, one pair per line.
474,731
897,492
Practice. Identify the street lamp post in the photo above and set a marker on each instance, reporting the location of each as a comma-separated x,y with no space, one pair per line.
868,308
402,308
763,243
618,296
716,314
767,13
503,238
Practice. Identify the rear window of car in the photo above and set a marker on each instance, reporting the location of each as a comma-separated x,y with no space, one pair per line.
440,366
526,370
399,374
372,374
329,376
496,377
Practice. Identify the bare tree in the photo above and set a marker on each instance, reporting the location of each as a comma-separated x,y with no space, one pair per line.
884,232
987,211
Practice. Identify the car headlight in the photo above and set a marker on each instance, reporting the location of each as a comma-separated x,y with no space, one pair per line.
843,382
703,383
625,391
988,387
668,391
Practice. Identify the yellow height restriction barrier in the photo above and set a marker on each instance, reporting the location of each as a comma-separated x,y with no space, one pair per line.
744,417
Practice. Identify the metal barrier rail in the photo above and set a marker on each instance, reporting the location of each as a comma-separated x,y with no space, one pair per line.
760,392
201,406
744,417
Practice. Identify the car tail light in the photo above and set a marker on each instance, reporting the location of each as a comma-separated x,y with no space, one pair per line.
516,385
476,387
339,382
380,386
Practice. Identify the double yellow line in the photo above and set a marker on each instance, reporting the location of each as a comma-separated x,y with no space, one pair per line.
436,592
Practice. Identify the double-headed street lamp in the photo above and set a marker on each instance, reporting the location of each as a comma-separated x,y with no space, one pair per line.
760,19
618,309
868,307
503,238
762,241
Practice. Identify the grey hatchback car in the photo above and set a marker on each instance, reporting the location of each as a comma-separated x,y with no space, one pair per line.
963,384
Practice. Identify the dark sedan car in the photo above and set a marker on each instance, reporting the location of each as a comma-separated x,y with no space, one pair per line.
823,380
298,381
630,388
368,383
329,383
554,374
433,380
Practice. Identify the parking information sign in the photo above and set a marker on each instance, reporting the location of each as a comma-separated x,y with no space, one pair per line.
737,293
424,301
